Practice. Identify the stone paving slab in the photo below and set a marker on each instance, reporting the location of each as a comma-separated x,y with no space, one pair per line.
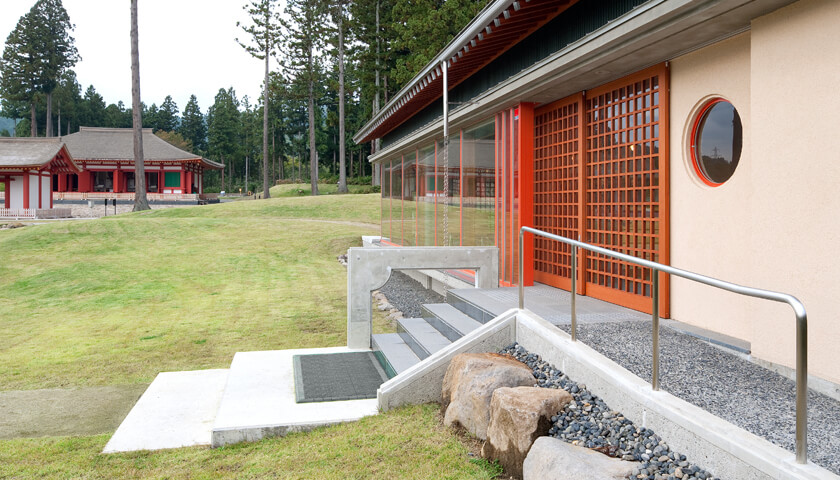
177,410
259,400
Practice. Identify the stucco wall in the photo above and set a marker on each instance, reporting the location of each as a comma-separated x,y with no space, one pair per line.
775,223
708,233
796,177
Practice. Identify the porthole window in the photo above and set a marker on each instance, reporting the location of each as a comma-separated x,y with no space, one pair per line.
716,140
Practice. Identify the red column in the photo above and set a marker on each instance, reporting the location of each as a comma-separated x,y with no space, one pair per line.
8,187
526,186
117,186
40,190
84,181
189,182
25,189
62,183
183,180
51,194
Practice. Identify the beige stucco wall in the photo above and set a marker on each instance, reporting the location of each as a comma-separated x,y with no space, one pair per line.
707,224
775,223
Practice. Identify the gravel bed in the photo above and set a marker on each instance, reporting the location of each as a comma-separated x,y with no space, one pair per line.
98,210
726,385
407,295
589,422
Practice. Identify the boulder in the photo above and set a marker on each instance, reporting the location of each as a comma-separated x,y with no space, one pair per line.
469,384
553,459
518,416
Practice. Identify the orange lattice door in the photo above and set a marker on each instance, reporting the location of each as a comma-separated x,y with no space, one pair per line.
557,182
627,186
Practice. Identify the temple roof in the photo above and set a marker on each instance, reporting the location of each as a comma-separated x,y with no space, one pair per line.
93,143
35,153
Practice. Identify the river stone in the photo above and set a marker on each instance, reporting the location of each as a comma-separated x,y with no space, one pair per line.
554,459
468,387
518,416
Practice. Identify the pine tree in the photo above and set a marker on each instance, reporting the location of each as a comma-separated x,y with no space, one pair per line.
339,12
140,200
224,129
265,33
167,115
193,127
303,36
20,66
57,53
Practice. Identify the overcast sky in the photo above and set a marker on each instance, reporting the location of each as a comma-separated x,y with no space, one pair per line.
186,47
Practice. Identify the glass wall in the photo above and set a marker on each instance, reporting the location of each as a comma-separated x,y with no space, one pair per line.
426,196
448,179
425,203
478,169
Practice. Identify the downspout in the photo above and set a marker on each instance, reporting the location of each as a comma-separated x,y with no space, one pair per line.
444,65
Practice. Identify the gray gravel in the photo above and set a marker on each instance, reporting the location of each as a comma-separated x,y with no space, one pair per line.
407,295
589,422
730,387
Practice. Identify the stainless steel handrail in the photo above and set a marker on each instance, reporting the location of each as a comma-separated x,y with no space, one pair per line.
798,309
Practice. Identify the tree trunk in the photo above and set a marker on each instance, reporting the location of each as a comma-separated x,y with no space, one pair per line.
33,120
49,115
266,185
313,151
224,167
140,201
342,171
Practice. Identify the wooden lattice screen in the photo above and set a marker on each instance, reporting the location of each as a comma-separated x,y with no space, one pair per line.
601,175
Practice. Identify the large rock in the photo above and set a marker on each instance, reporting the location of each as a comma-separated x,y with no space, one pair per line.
518,416
469,384
553,459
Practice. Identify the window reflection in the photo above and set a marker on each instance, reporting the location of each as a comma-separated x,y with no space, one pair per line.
718,138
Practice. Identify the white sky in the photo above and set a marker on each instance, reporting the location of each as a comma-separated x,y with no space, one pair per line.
186,47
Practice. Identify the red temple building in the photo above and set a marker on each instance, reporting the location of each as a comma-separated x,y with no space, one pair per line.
106,159
26,166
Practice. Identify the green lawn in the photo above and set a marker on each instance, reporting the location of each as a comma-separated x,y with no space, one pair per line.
301,189
117,300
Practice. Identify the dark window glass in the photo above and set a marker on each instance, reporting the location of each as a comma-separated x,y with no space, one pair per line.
717,142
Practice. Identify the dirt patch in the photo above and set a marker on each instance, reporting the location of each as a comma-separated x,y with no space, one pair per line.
57,412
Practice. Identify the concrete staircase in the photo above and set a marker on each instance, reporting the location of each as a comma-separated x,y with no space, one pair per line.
417,338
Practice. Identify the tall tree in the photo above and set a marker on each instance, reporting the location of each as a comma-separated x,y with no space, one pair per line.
224,129
339,12
140,200
265,32
93,109
20,67
192,126
167,117
304,34
57,53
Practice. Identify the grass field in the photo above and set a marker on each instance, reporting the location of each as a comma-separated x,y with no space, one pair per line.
117,300
301,189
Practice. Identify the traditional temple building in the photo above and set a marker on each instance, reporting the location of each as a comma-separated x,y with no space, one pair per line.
695,133
26,168
106,157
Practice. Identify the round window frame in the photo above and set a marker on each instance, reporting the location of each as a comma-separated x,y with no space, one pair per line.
692,141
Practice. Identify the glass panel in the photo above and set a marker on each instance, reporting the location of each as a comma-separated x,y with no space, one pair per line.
426,197
396,201
409,202
718,142
448,200
478,168
386,199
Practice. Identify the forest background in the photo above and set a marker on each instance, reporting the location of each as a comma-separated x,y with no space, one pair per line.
385,44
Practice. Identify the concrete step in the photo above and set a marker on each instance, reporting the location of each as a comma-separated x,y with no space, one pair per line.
449,321
466,300
423,338
393,353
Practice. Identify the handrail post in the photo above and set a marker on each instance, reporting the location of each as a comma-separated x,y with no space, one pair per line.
574,292
521,269
801,387
655,317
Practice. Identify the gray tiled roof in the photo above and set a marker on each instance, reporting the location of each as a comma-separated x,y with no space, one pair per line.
28,152
91,143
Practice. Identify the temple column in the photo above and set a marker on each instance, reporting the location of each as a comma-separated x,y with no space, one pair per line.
26,189
8,194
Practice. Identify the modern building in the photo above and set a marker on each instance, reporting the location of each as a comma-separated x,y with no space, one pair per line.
695,133
26,169
106,156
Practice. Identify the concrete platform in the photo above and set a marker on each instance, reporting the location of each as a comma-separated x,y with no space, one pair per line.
177,410
259,400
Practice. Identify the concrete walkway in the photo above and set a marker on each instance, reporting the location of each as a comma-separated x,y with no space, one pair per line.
253,399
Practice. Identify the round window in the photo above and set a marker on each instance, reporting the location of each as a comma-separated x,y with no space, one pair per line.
716,141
